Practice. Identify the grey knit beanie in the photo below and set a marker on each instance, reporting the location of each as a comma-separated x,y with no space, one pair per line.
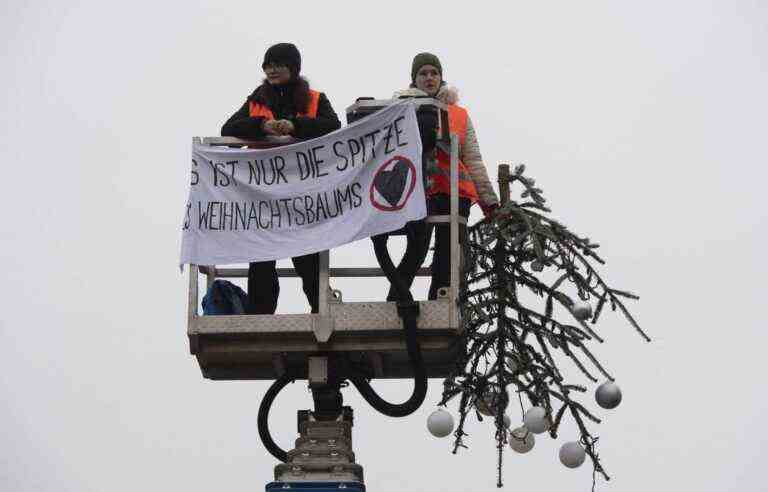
425,59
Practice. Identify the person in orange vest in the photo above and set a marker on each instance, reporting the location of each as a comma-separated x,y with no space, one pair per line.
283,104
474,185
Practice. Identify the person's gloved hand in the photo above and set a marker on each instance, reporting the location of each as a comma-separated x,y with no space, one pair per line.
270,127
284,127
489,210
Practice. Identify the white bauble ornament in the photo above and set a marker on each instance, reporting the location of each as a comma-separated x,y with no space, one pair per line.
536,420
521,440
608,395
572,454
440,423
582,311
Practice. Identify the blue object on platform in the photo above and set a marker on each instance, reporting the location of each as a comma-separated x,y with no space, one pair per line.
224,297
315,487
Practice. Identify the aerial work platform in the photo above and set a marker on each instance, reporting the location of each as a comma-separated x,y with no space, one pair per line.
264,346
369,334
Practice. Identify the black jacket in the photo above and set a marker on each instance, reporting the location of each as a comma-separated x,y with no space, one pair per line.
242,125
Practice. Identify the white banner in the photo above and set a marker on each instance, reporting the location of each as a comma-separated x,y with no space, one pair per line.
255,205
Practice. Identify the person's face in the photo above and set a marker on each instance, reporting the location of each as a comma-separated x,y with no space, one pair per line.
277,74
428,79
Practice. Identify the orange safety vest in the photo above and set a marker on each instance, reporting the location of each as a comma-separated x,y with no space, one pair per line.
261,110
441,179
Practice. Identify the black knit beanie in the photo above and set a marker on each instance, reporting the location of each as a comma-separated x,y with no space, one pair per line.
424,59
283,54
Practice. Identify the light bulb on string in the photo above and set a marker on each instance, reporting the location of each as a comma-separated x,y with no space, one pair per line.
582,310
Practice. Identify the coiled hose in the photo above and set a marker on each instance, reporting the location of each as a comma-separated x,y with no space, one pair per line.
408,310
263,418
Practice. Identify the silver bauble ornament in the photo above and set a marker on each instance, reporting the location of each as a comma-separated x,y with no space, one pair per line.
582,311
440,423
483,407
608,395
521,440
536,420
572,454
488,403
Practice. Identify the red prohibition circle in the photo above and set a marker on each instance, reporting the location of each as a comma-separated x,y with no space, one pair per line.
411,187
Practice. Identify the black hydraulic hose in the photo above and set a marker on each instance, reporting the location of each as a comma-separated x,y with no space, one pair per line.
262,421
419,379
385,262
408,311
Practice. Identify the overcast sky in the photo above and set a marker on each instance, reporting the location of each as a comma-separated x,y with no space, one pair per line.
644,122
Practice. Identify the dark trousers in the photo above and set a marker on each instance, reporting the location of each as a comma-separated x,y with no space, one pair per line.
441,260
264,286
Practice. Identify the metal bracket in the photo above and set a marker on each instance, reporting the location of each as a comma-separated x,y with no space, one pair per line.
322,326
317,373
445,219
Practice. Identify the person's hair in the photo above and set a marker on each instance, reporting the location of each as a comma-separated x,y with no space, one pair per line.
266,94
